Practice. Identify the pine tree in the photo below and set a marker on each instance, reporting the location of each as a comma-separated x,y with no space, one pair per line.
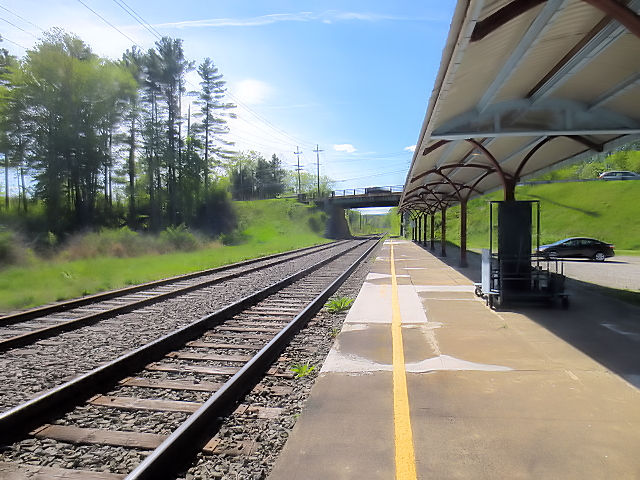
213,114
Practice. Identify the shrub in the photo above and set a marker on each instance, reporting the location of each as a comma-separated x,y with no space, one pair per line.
179,238
116,242
12,251
235,238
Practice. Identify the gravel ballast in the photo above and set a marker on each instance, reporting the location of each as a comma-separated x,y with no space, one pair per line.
268,436
27,371
249,441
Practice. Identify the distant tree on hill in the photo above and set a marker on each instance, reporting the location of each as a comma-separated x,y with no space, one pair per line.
253,177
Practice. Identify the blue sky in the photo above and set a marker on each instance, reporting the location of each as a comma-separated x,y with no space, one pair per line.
353,77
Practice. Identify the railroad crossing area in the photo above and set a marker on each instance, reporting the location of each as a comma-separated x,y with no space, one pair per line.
425,381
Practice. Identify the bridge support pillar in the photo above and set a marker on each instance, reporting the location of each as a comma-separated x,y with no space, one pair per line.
337,226
424,229
443,230
401,224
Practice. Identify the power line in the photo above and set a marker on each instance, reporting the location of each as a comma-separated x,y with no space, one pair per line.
11,41
264,128
21,18
371,176
263,124
19,28
317,150
297,153
267,122
255,114
133,14
110,24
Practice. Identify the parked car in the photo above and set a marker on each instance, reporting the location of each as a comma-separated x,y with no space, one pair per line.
619,175
578,247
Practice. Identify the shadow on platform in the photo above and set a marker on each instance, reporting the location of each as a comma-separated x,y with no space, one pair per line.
601,322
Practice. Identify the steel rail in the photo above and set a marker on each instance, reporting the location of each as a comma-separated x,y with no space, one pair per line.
85,320
17,422
197,429
99,297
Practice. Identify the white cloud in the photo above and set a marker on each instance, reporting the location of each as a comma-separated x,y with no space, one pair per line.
241,22
344,147
329,16
251,91
410,148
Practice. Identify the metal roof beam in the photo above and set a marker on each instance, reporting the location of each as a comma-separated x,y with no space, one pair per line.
554,133
525,117
605,33
505,14
623,14
622,87
542,22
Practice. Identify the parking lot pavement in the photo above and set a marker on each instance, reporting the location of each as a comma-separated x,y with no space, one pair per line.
615,272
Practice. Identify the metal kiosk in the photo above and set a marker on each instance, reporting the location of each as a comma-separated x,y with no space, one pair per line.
515,272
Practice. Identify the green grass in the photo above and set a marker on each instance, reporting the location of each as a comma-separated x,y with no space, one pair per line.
268,226
604,210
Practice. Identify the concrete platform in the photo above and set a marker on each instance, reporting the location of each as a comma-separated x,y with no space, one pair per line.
536,393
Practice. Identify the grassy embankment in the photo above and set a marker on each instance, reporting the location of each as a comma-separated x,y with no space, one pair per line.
604,210
264,227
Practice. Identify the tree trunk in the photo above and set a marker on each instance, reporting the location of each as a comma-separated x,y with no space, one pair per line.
132,173
110,172
6,181
24,190
206,148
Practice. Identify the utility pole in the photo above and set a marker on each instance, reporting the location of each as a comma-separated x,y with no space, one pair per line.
317,150
298,153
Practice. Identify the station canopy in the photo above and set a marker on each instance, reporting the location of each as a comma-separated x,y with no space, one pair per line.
523,86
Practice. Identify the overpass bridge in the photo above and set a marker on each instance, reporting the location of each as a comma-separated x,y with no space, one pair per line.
334,205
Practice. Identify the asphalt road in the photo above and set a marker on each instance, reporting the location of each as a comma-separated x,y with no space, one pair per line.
615,272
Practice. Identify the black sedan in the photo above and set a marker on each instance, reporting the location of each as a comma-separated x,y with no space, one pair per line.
577,247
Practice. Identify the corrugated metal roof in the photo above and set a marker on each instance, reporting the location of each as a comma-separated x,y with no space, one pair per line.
562,73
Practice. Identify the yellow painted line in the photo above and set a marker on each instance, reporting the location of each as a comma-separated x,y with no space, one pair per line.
405,456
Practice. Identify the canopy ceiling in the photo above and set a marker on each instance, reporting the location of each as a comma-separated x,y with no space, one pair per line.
525,85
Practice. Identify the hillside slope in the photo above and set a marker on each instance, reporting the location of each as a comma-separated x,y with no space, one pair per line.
284,222
609,211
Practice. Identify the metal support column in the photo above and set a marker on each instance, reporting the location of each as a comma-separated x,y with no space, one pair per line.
401,224
419,231
443,229
463,233
424,230
433,231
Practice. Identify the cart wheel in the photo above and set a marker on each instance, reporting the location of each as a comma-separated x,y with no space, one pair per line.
478,291
564,302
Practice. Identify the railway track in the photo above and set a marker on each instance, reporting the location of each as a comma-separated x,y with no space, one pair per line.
23,328
136,415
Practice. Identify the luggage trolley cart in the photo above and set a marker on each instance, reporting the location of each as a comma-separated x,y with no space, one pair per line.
514,273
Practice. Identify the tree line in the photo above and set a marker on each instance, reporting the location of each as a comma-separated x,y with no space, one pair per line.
80,125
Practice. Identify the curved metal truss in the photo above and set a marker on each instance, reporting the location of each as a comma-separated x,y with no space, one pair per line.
462,191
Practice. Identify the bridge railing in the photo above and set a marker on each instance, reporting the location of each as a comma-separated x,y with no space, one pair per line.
350,192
